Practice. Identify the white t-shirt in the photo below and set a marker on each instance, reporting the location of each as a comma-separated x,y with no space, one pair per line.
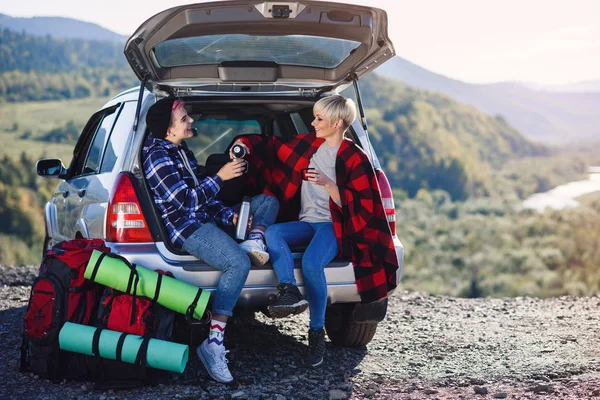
314,199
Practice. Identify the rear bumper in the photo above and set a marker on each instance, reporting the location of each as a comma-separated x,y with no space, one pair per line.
261,282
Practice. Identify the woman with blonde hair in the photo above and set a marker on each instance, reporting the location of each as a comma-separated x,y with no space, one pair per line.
341,213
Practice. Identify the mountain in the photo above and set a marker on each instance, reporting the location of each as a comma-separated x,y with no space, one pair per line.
59,27
578,87
542,116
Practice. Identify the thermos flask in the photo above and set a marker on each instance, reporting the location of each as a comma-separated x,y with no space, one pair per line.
239,152
242,221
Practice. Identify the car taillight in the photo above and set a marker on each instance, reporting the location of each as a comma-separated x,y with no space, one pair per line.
388,199
125,222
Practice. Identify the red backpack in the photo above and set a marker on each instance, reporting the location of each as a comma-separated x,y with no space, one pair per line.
140,316
59,294
130,314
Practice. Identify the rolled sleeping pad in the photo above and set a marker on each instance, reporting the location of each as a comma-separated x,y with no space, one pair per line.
116,272
125,347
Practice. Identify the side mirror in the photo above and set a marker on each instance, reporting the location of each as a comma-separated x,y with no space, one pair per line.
50,167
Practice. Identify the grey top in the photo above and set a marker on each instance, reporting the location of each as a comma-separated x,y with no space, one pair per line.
314,199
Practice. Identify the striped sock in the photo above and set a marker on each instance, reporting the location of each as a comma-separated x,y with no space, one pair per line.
216,334
256,234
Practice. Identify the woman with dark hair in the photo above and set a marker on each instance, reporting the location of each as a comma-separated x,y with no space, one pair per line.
193,215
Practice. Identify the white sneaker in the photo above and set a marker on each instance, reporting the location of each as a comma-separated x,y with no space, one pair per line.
215,362
257,251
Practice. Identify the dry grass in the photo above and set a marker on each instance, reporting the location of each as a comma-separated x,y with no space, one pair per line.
589,199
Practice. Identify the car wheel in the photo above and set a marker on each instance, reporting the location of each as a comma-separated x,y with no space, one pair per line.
343,330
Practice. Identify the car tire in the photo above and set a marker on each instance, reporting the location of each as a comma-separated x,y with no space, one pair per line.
342,330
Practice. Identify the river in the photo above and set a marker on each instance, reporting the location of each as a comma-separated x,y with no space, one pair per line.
564,195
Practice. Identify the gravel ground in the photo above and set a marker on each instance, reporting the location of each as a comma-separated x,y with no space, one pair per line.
429,347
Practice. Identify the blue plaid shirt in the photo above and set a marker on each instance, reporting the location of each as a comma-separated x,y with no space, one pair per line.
185,198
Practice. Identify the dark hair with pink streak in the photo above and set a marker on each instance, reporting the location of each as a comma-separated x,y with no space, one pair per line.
177,104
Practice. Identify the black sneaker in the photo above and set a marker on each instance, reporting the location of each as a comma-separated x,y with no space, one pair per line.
316,347
289,301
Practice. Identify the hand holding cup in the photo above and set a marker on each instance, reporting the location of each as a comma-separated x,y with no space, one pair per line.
316,177
305,171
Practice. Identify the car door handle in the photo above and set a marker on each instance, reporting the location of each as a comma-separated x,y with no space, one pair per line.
81,192
65,194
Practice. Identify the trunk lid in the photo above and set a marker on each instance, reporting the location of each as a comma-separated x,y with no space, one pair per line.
273,45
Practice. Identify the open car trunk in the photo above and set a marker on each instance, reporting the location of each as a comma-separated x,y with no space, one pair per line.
279,46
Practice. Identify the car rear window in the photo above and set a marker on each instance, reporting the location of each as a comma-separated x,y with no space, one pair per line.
300,50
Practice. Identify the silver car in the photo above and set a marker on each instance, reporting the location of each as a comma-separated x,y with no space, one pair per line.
242,68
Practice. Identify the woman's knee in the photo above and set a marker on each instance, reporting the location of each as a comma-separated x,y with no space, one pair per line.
271,201
266,211
272,234
239,262
243,263
265,198
311,268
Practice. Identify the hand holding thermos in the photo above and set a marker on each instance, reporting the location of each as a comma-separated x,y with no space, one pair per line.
244,220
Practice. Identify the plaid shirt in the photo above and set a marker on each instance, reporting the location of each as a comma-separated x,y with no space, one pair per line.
185,201
360,224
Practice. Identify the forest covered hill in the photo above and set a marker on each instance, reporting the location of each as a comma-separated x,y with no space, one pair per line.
34,68
428,140
543,114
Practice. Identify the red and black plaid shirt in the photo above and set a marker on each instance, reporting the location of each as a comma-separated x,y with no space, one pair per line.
360,224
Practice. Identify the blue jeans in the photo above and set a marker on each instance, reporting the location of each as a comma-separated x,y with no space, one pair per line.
322,248
219,250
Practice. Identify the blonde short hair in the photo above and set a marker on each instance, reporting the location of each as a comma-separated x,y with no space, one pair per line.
336,107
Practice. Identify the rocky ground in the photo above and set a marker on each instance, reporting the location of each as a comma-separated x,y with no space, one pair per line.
429,347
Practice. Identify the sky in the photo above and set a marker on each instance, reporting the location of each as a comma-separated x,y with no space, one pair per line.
478,41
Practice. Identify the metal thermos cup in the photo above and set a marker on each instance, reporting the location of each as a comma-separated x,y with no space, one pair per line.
242,221
238,151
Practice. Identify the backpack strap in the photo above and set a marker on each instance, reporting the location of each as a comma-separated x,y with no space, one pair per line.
96,342
157,291
96,266
100,374
24,354
120,343
134,279
189,314
141,357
